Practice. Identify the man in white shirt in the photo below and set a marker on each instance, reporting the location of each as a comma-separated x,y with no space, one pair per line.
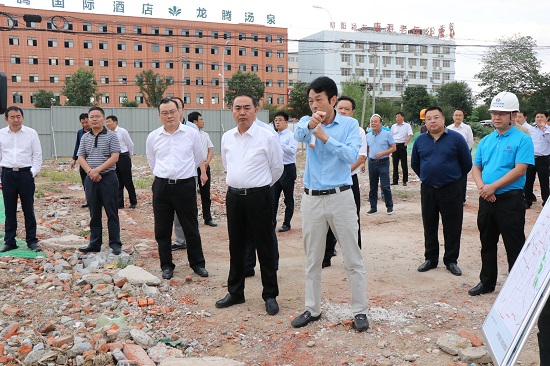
521,122
253,159
21,160
124,163
540,134
285,184
174,152
466,132
402,134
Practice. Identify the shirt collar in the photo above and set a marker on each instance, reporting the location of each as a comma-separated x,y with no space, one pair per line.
505,134
103,131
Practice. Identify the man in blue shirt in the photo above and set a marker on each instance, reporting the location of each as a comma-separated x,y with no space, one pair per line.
328,200
499,170
441,158
380,144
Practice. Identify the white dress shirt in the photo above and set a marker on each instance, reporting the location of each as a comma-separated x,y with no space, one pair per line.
362,149
126,143
174,156
541,140
465,131
401,133
265,126
289,145
253,159
20,149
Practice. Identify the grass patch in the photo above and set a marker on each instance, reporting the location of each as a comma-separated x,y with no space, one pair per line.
402,194
71,176
143,183
84,233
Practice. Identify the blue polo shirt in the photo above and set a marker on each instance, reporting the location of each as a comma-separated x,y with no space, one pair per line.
379,142
328,164
442,161
497,154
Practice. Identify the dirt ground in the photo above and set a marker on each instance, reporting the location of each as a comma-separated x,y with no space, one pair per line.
408,310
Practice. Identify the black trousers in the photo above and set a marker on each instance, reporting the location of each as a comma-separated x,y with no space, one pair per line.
181,198
400,154
544,335
18,184
331,239
250,217
206,202
103,194
448,202
504,217
541,168
285,184
83,175
124,175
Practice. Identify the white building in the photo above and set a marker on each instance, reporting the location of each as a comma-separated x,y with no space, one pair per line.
292,69
401,60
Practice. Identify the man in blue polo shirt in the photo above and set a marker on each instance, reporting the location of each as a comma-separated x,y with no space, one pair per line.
499,170
441,159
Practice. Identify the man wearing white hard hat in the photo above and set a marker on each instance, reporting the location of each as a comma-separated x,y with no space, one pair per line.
499,170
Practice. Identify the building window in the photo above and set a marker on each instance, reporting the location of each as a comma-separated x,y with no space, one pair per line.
69,43
215,66
104,80
412,61
69,61
121,63
290,83
214,50
227,51
68,26
268,99
290,71
255,52
254,37
242,36
53,61
386,60
215,81
13,22
214,34
281,83
280,39
169,31
423,62
121,46
187,81
105,98
155,30
185,49
242,67
54,79
359,72
155,47
386,73
31,41
14,41
436,76
187,98
33,78
400,61
16,78
424,49
423,75
169,48
446,50
268,68
155,64
33,60
254,67
88,62
386,87
121,29
215,98
187,65
268,38
103,45
200,98
169,64
386,47
138,64
137,29
446,63
52,42
199,66
399,74
87,44
122,80
198,33
185,32
226,35
280,54
436,49
199,81
412,74
122,97
138,46
17,97
268,53
139,98
280,68
102,28
446,76
281,99
86,27
198,49
346,59
104,62
242,51
227,66
345,71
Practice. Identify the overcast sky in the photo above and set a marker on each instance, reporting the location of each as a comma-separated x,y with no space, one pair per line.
477,23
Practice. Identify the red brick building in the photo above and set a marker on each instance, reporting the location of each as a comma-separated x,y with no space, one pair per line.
41,55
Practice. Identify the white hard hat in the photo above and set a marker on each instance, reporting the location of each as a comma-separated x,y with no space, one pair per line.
505,102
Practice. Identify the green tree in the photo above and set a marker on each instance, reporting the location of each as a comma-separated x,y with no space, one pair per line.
152,86
416,98
81,88
456,94
130,103
244,82
511,65
387,108
298,104
355,89
43,99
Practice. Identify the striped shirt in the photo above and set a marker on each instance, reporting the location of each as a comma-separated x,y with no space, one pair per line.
97,149
206,143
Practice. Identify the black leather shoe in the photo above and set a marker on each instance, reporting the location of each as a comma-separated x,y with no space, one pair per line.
453,268
426,266
201,271
35,247
229,300
117,250
249,273
284,228
360,322
325,264
179,246
334,253
85,205
404,184
167,273
480,289
133,205
304,319
7,248
394,184
89,249
271,306
211,223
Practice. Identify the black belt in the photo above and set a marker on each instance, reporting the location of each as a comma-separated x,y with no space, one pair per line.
175,181
245,191
127,153
509,194
542,156
400,143
24,169
379,160
326,192
107,173
443,185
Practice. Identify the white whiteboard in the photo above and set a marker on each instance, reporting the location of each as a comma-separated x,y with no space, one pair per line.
522,297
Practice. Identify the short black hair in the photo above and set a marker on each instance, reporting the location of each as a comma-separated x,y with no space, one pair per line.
181,100
400,113
193,116
14,108
166,101
349,99
542,112
434,108
282,114
83,116
113,118
460,109
522,111
323,84
254,99
96,108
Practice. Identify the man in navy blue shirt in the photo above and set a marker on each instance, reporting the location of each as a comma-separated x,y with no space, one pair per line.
85,123
441,159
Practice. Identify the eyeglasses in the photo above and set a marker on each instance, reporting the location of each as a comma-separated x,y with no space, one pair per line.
494,113
434,119
173,112
95,116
